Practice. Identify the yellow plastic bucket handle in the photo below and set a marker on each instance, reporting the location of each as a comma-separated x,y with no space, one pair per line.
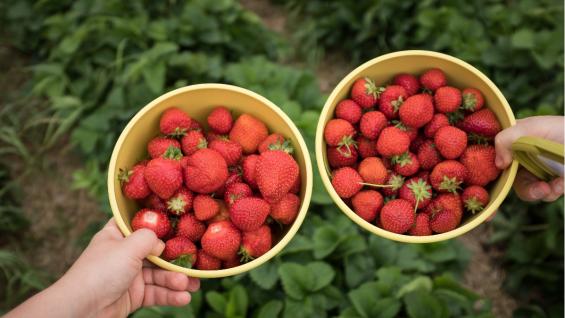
542,157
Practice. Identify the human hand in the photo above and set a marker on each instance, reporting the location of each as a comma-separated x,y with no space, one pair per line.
526,185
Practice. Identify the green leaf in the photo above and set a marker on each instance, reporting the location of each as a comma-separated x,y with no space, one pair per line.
237,302
323,274
217,301
326,240
295,280
265,276
271,309
154,76
420,282
523,39
421,304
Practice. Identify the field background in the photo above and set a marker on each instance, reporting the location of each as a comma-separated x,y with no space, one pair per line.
72,73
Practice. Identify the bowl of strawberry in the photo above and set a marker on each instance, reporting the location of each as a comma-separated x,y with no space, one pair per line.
219,173
405,146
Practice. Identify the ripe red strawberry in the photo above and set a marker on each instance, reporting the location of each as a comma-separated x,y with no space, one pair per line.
392,142
397,216
372,170
365,93
183,162
447,99
181,202
433,79
409,82
223,215
446,212
416,143
180,251
339,132
211,136
341,156
174,122
416,191
206,172
192,142
221,240
482,123
220,120
159,145
472,99
230,150
205,207
248,131
448,175
428,156
296,186
207,262
163,176
421,226
234,175
275,142
391,99
249,165
286,210
394,183
406,164
450,142
411,132
236,191
367,204
479,161
424,175
189,227
417,110
372,123
475,198
133,182
233,262
346,182
153,220
276,172
366,147
438,121
248,214
348,110
153,202
255,243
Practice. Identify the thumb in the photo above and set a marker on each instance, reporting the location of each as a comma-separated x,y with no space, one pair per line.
503,145
141,243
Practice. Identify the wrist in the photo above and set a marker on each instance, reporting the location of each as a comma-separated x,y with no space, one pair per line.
78,300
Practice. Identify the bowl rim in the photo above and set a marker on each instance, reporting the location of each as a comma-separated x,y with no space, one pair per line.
321,159
305,202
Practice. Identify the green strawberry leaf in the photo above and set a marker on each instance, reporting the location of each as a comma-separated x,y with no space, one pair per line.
238,302
421,304
217,301
271,309
295,280
265,276
326,239
323,274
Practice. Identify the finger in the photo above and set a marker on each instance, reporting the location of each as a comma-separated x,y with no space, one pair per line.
529,188
503,145
557,186
551,197
161,296
171,280
142,243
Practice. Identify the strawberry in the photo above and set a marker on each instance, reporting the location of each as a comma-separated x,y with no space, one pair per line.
433,79
133,182
296,186
409,82
448,175
232,262
428,156
174,122
482,122
406,164
416,191
367,204
249,165
394,183
346,182
446,212
447,99
181,202
397,216
339,132
438,121
153,202
479,161
192,142
234,175
211,136
372,123
220,120
286,210
366,147
248,214
189,227
365,93
450,142
207,262
180,251
348,110
255,243
421,226
424,175
230,150
221,240
159,145
392,142
475,198
416,143
417,110
153,220
205,207
163,176
184,162
206,172
472,99
372,170
223,215
391,99
236,191
276,172
249,132
275,142
411,132
341,156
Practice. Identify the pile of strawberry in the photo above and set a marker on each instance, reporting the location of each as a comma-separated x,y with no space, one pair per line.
414,155
216,198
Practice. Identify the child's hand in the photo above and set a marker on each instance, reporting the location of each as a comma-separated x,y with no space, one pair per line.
527,186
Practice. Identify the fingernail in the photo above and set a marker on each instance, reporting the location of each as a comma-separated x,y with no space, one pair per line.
537,193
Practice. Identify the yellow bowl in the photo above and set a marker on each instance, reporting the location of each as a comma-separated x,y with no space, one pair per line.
460,74
198,101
